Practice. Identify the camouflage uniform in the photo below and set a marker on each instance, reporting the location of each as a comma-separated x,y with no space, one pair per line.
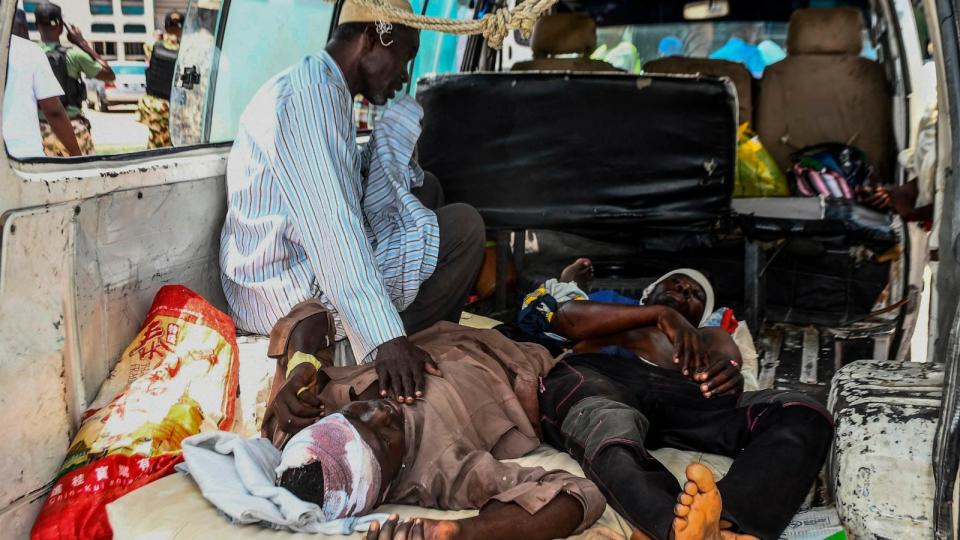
152,111
52,146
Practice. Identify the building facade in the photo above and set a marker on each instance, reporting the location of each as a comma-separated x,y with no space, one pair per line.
116,28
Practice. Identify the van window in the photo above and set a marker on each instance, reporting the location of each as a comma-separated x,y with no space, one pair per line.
754,44
439,52
296,28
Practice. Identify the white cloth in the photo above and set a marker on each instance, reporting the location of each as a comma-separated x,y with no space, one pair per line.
298,221
237,476
29,79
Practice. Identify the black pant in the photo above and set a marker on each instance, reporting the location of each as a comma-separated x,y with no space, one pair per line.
462,239
606,411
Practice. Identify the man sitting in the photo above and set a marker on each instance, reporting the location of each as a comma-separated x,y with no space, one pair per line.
442,451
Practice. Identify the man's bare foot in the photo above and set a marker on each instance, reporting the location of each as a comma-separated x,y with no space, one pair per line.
581,271
698,507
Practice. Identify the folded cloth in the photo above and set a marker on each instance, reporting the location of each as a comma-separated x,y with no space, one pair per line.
237,476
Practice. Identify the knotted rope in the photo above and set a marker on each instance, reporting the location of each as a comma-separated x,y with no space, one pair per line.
493,26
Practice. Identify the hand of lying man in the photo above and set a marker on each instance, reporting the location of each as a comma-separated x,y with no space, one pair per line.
400,365
413,529
722,378
689,351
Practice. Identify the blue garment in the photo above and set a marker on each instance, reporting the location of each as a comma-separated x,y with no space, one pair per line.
738,50
613,297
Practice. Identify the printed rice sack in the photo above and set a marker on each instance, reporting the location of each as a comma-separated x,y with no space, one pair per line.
177,378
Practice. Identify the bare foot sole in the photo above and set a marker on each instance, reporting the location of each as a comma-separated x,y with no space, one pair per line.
697,513
581,271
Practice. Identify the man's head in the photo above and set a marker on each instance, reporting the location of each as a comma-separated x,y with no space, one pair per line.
687,291
173,23
20,24
346,462
377,54
49,19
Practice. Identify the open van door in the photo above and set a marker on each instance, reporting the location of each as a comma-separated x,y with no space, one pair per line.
86,242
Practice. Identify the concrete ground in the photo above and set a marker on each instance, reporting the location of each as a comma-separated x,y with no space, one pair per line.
117,131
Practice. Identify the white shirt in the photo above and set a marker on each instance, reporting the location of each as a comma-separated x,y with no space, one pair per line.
29,79
309,216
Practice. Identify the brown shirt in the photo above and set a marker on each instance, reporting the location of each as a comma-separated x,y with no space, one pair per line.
482,410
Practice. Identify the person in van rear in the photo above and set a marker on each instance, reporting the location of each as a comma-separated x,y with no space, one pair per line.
31,85
315,226
153,110
643,377
68,64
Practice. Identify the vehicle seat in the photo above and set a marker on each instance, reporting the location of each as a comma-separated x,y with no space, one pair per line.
823,91
563,34
734,71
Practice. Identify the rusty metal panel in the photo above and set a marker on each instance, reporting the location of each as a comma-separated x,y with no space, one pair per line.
881,464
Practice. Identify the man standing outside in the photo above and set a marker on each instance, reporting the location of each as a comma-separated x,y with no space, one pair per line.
154,107
68,64
31,84
313,224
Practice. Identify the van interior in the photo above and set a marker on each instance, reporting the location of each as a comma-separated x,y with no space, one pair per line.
610,133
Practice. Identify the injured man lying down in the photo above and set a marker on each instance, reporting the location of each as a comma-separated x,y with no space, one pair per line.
641,378
443,450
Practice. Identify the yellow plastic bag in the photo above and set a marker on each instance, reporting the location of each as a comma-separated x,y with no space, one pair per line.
757,173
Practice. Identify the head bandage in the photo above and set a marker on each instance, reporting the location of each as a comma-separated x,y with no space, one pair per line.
351,472
694,275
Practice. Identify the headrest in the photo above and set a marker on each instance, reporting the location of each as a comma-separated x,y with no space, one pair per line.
564,33
825,31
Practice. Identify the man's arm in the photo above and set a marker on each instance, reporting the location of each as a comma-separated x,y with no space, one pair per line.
526,503
558,519
57,117
583,319
314,163
105,72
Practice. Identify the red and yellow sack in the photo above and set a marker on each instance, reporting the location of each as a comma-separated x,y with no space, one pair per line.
179,377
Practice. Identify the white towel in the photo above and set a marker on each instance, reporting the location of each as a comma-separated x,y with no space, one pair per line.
237,476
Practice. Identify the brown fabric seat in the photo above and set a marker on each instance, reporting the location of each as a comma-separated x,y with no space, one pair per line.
734,71
825,92
567,34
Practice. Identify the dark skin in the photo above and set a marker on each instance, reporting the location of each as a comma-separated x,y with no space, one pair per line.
381,425
50,33
901,199
662,331
378,71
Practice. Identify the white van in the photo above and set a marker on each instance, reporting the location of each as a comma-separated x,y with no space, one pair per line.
637,170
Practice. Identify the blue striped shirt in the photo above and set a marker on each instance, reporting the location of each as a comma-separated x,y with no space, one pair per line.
310,215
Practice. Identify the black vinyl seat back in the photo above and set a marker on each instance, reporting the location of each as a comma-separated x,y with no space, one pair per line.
585,153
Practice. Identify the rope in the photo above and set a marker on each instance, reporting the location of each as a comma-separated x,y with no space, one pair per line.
493,26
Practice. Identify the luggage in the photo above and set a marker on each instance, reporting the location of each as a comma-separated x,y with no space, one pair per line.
831,170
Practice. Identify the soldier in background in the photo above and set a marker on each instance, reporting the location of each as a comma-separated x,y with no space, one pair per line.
154,107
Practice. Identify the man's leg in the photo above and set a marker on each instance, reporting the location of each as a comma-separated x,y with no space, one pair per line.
442,296
778,451
593,417
782,455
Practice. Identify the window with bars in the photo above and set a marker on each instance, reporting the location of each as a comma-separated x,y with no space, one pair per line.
133,51
101,7
106,49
